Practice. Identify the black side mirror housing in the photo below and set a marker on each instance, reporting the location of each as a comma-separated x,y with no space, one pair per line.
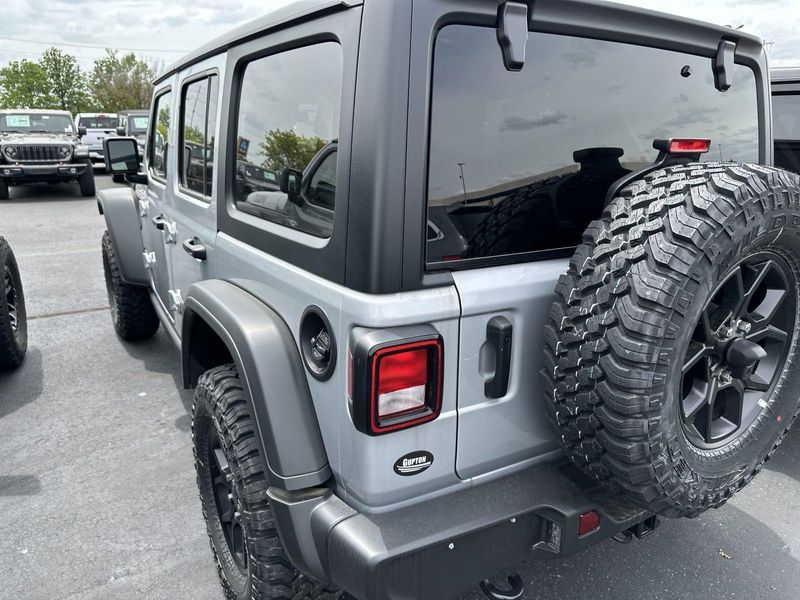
291,180
81,131
121,155
120,131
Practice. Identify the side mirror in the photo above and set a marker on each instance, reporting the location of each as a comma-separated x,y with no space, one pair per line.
291,180
121,155
120,131
81,131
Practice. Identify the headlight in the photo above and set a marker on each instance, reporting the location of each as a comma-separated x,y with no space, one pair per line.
10,152
65,151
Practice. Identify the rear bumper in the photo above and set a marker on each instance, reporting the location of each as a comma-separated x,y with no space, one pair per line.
437,549
23,173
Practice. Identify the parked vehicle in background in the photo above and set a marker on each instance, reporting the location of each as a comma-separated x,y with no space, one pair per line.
97,126
595,324
786,117
133,123
13,320
42,146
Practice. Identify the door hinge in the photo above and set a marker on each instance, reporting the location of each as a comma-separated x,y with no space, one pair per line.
144,206
149,259
175,301
170,232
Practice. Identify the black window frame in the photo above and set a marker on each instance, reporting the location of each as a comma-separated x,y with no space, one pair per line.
151,146
207,75
614,23
324,257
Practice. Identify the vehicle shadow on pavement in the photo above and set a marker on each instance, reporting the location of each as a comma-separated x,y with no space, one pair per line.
787,458
61,192
22,386
159,355
19,485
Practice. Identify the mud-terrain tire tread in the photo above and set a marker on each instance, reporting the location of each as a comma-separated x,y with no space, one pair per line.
220,396
86,181
13,346
609,336
136,318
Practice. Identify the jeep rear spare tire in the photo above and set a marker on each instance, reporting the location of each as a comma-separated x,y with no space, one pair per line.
671,350
13,322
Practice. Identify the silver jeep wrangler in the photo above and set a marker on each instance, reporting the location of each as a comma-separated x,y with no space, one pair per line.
42,146
459,283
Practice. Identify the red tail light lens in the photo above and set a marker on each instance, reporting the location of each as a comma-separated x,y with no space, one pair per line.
404,386
690,146
588,522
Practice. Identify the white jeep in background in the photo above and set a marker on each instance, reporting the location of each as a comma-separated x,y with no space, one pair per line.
97,126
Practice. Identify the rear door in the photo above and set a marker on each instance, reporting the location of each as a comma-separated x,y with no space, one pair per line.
158,232
193,209
519,164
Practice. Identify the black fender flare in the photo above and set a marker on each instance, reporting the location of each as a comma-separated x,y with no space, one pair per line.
268,360
121,212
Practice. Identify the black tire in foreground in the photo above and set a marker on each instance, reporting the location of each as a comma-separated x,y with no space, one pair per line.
251,560
3,189
86,181
132,311
672,347
13,319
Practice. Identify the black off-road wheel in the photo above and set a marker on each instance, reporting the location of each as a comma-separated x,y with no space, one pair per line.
86,181
672,347
13,320
251,561
132,311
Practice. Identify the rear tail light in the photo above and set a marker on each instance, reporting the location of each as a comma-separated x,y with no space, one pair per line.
397,384
588,522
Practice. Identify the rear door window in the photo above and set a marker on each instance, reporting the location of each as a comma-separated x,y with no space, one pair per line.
287,135
520,162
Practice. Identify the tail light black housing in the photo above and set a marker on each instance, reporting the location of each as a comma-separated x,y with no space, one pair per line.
395,378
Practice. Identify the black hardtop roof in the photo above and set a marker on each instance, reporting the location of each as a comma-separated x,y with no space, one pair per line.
304,9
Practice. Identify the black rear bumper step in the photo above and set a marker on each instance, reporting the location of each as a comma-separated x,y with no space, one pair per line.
438,548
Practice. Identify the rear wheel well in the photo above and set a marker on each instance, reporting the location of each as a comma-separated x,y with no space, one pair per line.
206,349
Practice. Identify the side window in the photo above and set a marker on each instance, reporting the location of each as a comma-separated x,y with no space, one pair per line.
287,137
198,130
159,135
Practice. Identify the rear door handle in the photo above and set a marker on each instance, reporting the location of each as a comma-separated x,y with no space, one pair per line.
498,335
159,222
195,248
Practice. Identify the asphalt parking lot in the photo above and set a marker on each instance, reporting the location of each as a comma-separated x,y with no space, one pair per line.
97,492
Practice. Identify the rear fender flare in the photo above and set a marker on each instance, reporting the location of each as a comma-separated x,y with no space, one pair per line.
268,361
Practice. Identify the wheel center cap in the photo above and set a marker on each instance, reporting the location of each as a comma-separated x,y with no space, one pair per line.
741,354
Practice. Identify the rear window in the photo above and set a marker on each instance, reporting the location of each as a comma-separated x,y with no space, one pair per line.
102,122
786,116
521,161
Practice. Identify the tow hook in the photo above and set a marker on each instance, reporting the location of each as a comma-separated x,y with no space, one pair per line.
494,593
638,531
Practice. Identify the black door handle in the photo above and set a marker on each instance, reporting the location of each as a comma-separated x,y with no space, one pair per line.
159,222
498,335
195,248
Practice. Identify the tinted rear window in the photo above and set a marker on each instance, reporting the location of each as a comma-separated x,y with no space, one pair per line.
505,147
786,116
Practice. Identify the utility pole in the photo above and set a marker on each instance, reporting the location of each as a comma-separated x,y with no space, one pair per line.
463,183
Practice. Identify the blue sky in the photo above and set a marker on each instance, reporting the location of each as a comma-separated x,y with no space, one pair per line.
163,29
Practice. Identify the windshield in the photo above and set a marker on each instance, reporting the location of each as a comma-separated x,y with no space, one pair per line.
98,122
36,123
138,124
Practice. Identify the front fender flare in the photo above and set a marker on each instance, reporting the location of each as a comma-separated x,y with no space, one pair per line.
119,207
269,364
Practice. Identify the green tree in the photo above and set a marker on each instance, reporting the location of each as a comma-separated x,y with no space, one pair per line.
67,81
24,84
118,82
283,148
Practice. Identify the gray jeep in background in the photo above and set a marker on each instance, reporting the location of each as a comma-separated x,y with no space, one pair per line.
42,146
469,320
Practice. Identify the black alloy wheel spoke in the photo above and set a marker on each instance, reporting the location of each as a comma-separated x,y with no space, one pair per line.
224,499
737,350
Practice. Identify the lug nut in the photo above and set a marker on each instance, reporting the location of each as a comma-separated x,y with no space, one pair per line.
725,378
